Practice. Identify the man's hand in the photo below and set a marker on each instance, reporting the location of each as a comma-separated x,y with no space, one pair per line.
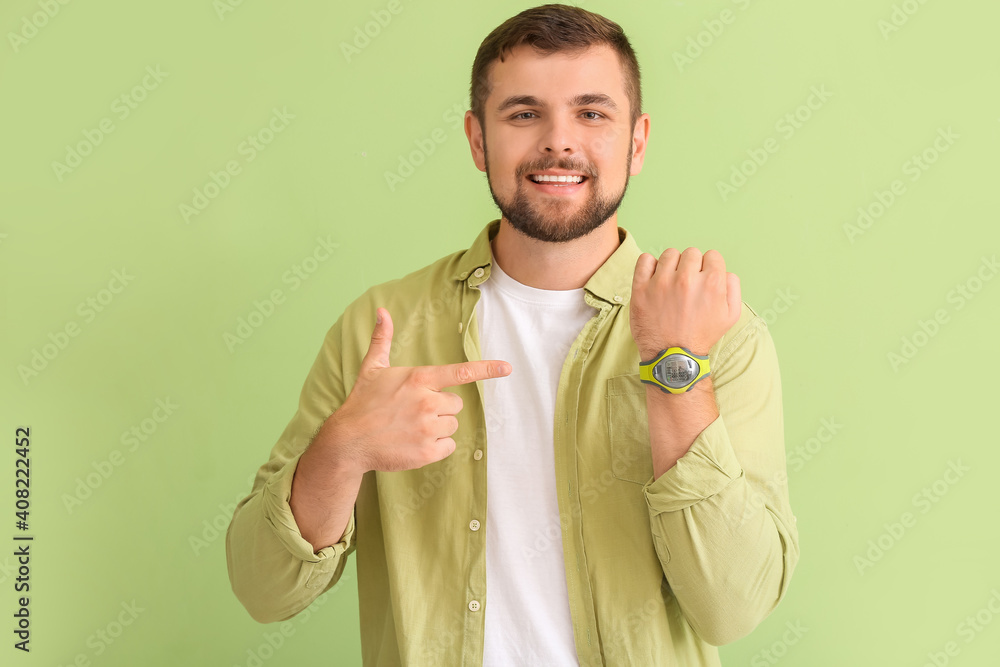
683,300
398,417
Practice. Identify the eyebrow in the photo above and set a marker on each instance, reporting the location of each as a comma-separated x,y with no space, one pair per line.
585,99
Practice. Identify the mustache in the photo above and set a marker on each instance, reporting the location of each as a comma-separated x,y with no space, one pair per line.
565,166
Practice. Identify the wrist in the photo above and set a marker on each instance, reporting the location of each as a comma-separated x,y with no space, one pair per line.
339,447
704,385
650,353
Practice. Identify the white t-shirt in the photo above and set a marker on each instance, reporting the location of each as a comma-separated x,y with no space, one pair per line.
527,604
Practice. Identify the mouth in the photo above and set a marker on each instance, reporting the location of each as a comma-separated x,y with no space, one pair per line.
557,185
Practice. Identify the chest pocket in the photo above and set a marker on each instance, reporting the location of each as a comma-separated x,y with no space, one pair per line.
628,429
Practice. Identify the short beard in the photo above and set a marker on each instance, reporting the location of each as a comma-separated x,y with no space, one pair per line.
525,218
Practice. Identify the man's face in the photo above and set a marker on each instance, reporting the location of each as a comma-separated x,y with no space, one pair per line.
555,131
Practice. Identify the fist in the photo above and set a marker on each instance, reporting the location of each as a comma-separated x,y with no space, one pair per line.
683,300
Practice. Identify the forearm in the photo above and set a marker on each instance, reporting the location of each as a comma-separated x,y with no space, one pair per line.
722,525
324,489
675,420
274,570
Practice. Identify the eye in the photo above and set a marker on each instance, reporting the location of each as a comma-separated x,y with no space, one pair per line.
519,116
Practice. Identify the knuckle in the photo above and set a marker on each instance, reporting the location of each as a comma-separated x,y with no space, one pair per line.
463,373
426,428
426,403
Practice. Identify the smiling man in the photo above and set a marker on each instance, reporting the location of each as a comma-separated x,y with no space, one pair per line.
567,135
575,455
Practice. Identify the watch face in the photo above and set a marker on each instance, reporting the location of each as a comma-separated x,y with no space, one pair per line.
676,370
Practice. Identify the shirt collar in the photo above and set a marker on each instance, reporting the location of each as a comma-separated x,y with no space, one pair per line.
612,282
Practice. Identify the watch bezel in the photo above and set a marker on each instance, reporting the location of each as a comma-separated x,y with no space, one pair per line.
704,370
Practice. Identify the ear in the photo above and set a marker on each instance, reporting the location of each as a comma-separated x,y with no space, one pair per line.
640,137
474,132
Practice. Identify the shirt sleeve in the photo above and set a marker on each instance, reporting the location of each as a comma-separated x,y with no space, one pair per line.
722,524
272,569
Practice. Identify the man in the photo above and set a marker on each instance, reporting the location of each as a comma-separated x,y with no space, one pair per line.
519,484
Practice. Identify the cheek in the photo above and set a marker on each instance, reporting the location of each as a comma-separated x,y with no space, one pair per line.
610,160
503,167
609,143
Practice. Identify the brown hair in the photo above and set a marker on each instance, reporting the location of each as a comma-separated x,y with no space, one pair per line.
549,29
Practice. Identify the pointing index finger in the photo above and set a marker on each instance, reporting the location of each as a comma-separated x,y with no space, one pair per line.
449,375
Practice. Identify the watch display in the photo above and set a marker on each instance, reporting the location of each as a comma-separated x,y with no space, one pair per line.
674,370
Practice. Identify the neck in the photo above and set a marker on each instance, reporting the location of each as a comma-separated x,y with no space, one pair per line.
554,266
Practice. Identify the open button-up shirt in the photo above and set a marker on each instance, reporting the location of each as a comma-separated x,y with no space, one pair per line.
659,571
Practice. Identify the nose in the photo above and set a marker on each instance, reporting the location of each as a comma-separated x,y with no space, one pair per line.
558,138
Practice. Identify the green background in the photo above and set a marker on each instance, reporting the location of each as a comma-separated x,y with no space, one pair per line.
837,303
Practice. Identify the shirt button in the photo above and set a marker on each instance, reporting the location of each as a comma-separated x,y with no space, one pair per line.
474,605
618,298
478,454
474,524
479,272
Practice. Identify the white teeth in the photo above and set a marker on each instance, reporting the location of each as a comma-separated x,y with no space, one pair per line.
540,178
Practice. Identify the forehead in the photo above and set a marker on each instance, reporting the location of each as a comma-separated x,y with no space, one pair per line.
557,77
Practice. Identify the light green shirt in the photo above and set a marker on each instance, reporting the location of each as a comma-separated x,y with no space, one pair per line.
658,571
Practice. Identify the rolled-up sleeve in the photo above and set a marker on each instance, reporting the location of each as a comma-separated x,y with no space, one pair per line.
275,499
273,570
721,520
